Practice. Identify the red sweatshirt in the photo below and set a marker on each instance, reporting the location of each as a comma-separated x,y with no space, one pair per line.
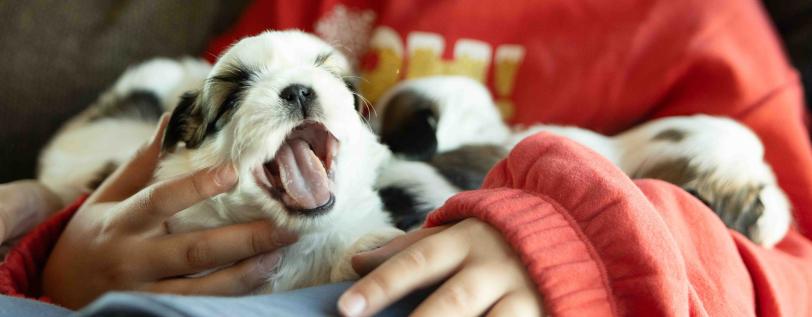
595,242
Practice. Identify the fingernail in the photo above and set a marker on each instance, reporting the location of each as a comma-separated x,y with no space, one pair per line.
158,135
372,250
225,176
352,304
268,262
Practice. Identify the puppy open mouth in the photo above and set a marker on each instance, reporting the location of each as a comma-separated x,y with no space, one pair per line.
299,175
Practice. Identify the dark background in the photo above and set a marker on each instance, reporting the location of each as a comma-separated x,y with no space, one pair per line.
793,19
56,56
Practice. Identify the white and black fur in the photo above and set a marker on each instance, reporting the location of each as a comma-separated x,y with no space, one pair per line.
91,145
716,159
235,113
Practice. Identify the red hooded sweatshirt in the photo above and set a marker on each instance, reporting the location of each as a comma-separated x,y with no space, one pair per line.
595,242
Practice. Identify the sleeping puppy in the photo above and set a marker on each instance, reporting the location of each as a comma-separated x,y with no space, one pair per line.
461,135
278,107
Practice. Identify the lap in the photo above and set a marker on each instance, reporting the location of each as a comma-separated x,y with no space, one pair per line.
313,301
14,306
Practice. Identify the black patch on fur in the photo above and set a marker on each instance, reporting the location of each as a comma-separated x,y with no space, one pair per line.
403,207
322,58
194,119
737,204
185,124
139,103
356,99
102,174
410,126
416,137
672,135
467,166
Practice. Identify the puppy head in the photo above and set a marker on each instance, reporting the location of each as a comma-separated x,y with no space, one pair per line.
421,117
278,107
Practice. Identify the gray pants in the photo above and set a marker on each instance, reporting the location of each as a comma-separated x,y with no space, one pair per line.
314,301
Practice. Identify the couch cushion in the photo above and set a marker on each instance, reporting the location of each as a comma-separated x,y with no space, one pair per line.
58,56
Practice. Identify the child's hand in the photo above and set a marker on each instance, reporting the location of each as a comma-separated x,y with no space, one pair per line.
118,241
481,272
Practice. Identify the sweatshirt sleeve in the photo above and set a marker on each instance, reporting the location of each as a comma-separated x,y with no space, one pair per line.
599,244
730,63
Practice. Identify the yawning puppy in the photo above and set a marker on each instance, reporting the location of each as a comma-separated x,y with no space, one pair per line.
276,106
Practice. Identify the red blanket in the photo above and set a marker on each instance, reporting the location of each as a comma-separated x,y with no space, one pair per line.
596,242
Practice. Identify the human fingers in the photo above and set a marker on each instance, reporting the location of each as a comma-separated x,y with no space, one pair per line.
188,253
469,292
151,206
365,262
239,279
519,303
422,264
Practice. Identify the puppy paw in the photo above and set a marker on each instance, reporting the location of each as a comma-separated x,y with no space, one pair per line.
343,270
722,163
759,211
775,220
755,208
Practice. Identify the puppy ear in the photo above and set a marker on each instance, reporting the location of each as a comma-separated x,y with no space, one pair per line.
187,123
410,125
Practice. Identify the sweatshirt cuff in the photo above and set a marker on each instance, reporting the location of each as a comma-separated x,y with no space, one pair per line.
587,235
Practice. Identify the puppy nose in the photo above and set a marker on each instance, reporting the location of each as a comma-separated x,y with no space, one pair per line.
298,95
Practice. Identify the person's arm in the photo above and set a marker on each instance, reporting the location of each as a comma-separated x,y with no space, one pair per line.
23,205
592,241
723,58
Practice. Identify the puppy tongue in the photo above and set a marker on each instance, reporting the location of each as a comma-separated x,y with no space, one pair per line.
302,175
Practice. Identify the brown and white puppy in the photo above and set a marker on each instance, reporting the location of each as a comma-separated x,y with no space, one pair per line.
461,136
278,107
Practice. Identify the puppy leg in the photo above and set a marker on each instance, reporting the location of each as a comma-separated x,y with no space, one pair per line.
719,161
603,145
343,270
